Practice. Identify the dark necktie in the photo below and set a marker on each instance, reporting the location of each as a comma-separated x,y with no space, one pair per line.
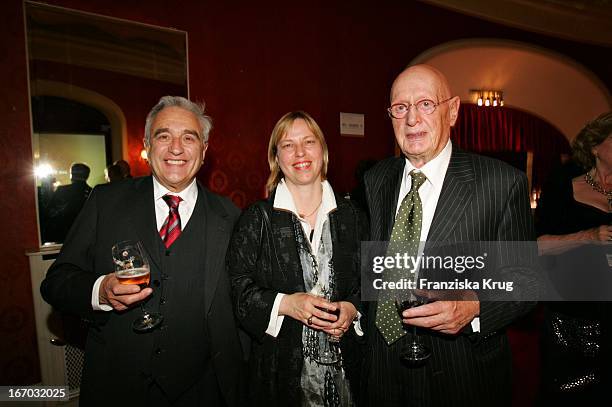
405,238
171,229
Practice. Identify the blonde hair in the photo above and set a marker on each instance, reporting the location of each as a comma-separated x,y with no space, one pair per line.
280,129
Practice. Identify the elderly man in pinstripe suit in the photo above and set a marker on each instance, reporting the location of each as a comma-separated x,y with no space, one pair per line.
465,197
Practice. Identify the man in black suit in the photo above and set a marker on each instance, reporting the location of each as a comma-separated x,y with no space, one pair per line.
66,203
195,357
464,198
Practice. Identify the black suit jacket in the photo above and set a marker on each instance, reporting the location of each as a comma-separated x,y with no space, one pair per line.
263,263
198,321
482,199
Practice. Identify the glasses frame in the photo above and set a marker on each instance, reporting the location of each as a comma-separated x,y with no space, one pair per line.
409,105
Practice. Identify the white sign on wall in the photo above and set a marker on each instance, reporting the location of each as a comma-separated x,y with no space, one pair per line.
352,124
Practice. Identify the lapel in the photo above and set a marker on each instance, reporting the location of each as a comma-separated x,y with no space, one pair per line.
456,195
217,231
142,215
387,190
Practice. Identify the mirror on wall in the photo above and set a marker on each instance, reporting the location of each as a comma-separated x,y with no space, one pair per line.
93,80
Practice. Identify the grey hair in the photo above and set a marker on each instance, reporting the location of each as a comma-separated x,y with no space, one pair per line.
178,101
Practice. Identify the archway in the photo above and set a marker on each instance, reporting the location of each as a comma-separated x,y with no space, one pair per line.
110,109
533,79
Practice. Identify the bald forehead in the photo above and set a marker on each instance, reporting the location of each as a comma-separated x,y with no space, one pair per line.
424,77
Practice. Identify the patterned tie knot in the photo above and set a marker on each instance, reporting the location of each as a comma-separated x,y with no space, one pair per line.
418,179
172,200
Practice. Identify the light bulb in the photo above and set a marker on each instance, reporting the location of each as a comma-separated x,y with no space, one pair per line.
44,170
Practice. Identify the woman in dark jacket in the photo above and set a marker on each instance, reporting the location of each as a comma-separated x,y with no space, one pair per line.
293,262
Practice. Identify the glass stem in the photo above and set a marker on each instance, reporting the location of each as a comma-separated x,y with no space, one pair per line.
144,311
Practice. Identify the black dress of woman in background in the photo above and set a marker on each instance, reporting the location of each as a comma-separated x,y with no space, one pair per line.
574,216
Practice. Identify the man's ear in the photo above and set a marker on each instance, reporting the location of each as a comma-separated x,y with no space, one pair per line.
453,109
146,146
204,148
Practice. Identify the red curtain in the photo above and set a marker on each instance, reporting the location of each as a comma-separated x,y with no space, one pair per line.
503,129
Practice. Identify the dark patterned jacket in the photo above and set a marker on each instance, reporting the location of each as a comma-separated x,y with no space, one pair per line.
262,263
482,200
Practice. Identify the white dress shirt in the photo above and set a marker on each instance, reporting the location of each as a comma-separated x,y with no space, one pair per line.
429,192
189,197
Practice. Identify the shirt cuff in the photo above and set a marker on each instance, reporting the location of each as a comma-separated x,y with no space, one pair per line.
357,324
276,321
476,324
95,297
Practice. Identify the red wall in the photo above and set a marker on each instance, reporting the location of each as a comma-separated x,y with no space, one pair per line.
19,360
251,62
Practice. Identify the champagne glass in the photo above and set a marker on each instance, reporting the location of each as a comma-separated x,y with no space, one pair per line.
413,351
132,267
329,354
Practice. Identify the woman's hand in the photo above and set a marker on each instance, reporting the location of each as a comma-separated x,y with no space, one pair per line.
309,310
557,244
348,313
602,233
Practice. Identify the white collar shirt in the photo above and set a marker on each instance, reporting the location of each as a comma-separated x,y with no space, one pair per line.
284,200
434,170
188,195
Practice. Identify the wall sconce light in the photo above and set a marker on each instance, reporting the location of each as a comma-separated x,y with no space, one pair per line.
44,170
143,154
488,98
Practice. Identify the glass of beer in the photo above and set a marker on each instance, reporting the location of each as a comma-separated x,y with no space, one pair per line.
132,267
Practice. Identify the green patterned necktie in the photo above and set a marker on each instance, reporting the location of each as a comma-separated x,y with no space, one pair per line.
405,238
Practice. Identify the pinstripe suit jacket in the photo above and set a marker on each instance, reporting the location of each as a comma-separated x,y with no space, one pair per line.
482,199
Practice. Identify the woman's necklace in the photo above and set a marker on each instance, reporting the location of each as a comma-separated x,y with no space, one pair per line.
311,213
598,188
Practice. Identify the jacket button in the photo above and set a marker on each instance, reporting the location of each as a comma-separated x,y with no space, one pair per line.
162,301
156,283
158,351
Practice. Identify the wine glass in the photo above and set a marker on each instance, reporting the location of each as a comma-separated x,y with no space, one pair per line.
132,267
329,354
413,351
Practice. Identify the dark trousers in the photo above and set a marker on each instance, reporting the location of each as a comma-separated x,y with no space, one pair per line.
388,381
204,392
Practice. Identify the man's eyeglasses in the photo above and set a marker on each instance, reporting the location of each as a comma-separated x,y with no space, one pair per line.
425,106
